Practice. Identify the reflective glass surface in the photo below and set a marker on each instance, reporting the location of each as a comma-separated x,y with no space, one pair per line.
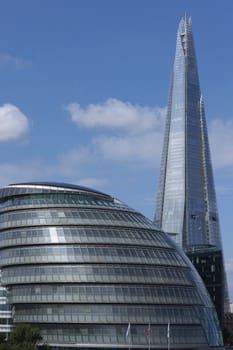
65,216
82,265
90,253
56,234
97,273
186,201
101,334
104,294
87,313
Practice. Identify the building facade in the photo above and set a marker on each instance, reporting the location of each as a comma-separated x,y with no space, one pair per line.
93,273
186,203
6,323
209,263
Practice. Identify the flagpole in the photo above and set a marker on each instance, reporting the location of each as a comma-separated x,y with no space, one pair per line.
149,337
128,335
168,336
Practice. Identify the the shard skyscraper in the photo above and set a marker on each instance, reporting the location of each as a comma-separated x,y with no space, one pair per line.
186,203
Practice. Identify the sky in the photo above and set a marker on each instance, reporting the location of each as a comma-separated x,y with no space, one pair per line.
84,88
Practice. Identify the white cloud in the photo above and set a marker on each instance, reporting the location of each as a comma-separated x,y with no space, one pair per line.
14,124
72,161
116,114
73,170
7,59
224,190
24,171
221,142
135,140
229,265
133,132
71,166
145,147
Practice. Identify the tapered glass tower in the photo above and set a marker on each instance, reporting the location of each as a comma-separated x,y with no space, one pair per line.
186,201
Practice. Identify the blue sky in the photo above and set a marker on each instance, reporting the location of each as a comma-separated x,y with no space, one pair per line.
84,87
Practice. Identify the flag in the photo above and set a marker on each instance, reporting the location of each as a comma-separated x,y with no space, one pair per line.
128,330
148,330
168,330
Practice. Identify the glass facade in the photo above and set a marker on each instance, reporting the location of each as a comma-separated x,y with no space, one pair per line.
209,264
186,202
5,313
81,265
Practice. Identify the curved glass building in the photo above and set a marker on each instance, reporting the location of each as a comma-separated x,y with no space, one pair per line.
93,273
5,314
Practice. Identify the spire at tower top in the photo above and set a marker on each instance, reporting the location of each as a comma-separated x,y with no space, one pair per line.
186,202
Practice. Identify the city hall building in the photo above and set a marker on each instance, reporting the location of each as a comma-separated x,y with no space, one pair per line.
92,273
